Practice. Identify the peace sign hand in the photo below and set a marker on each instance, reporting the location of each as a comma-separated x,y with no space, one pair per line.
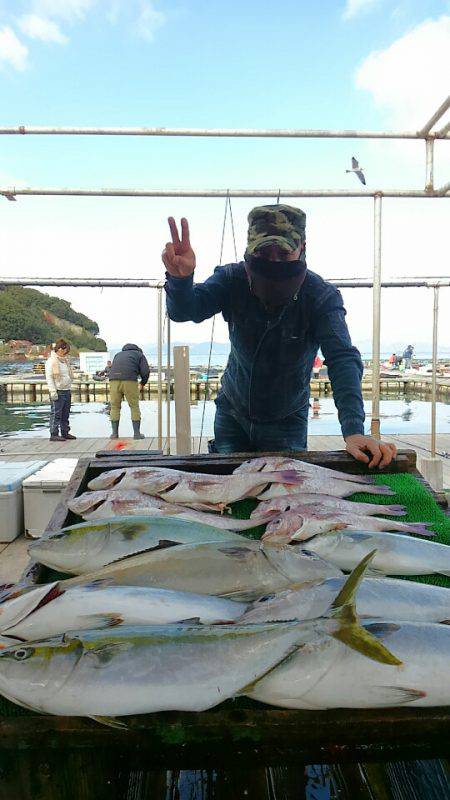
178,256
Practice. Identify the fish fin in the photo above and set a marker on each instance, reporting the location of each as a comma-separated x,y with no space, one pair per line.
382,629
108,620
163,544
382,489
105,652
421,528
98,583
444,621
236,551
396,695
290,476
350,630
111,722
395,511
357,537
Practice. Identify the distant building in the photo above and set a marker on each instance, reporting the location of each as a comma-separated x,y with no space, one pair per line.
19,346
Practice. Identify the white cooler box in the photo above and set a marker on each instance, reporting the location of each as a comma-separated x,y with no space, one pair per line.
12,475
42,493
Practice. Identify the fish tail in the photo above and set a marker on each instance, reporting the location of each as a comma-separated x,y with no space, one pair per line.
420,528
396,511
379,490
359,478
350,631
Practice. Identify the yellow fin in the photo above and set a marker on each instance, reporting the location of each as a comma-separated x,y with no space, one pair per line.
350,631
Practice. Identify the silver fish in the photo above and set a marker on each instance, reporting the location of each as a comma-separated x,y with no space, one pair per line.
91,545
388,598
396,554
327,674
167,667
53,609
271,463
109,503
312,485
231,569
277,505
216,491
307,521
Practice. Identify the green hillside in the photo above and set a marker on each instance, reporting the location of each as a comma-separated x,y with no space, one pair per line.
41,318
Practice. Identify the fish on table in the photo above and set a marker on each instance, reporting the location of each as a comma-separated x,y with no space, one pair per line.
271,463
277,505
214,491
107,503
88,546
307,521
310,484
327,674
173,667
126,477
396,554
53,609
388,598
239,570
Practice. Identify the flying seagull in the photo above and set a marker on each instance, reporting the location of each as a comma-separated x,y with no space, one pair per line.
357,170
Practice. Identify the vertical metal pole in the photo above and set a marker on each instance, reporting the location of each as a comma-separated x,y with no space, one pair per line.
434,367
160,336
168,386
429,170
182,399
376,296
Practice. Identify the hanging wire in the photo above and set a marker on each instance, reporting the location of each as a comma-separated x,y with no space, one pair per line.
227,208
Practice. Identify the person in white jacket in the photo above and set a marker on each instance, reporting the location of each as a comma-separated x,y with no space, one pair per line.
59,376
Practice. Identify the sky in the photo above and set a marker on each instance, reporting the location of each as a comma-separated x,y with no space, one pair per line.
338,64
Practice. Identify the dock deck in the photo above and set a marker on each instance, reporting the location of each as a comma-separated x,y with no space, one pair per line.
13,555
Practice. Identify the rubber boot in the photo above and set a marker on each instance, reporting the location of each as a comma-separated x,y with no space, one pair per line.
115,429
136,429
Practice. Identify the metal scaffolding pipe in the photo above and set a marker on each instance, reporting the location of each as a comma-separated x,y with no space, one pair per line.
437,115
434,368
350,283
100,283
160,338
168,385
429,168
443,191
11,192
443,130
260,133
376,297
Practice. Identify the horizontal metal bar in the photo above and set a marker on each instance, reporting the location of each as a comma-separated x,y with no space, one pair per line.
268,133
437,115
114,283
10,192
347,283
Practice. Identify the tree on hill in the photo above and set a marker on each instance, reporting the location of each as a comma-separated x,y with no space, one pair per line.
26,313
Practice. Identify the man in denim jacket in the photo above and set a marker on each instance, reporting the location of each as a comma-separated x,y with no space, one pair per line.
279,313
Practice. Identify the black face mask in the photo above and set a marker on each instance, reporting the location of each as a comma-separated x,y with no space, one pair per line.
275,283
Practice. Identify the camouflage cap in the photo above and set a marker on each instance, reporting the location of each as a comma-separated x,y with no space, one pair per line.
278,224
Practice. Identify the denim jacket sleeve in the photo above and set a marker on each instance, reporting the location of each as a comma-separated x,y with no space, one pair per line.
343,360
193,302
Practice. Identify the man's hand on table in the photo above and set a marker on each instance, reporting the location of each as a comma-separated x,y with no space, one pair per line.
178,256
369,450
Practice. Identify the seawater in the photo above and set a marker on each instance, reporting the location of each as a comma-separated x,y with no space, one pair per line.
400,415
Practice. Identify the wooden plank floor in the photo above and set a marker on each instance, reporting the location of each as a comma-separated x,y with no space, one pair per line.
13,555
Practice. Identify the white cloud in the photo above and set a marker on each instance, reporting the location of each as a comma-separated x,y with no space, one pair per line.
12,51
149,20
68,10
40,28
409,79
354,7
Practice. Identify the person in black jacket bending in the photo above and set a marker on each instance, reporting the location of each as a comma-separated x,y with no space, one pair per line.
126,367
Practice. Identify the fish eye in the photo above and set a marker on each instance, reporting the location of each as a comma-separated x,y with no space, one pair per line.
23,653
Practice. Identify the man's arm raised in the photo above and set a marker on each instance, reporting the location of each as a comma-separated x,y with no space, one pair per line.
187,301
